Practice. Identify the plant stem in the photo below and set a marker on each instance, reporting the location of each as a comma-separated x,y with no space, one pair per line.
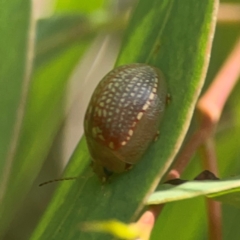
209,161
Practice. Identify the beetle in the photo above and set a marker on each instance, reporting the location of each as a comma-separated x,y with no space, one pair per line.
123,117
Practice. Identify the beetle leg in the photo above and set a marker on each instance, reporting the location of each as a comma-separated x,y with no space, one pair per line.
128,166
156,136
168,99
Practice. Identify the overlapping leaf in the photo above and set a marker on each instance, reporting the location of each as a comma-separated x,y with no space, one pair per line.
44,111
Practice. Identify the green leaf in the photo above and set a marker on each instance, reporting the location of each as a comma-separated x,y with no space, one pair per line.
15,69
212,189
78,6
175,37
14,21
192,227
230,196
43,116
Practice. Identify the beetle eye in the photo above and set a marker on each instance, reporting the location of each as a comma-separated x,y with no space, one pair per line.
107,172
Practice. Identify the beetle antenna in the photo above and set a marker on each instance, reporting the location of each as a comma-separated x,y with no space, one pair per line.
57,180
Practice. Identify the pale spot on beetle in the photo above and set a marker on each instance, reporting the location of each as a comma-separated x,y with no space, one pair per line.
151,97
130,132
122,100
134,124
135,102
129,112
110,85
139,116
145,107
99,112
133,118
135,89
124,143
155,85
101,137
156,80
101,104
123,75
128,138
111,145
132,94
94,132
126,104
154,90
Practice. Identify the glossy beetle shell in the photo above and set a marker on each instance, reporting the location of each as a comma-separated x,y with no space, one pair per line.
123,116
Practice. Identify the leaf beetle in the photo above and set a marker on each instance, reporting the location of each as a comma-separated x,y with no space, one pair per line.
123,117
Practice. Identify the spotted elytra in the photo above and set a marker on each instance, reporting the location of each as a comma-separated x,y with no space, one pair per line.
123,117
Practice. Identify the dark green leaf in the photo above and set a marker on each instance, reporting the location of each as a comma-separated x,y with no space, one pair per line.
15,69
175,37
